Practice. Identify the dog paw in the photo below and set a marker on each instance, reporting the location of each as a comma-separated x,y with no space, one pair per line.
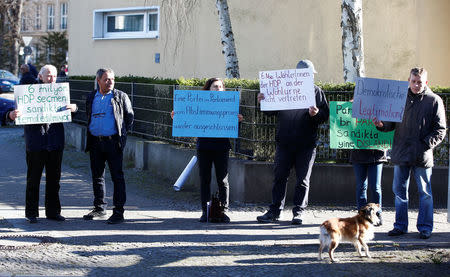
335,260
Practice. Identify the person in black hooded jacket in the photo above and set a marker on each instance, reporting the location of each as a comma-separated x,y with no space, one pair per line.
296,138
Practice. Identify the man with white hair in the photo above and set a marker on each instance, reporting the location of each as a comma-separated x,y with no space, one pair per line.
44,149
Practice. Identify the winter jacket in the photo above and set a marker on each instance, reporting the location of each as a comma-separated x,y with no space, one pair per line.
28,78
40,137
123,114
422,129
367,156
217,144
296,128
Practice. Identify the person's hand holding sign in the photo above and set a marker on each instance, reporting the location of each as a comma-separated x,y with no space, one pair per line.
72,107
13,114
260,97
377,123
313,110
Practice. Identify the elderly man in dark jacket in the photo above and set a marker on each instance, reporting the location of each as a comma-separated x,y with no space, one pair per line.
110,116
44,149
296,139
422,129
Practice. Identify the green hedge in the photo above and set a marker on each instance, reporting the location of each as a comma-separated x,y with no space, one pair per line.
230,83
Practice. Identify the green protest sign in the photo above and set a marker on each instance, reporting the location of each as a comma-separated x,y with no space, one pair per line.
354,133
42,103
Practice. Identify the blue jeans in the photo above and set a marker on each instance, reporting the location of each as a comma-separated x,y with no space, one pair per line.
400,188
368,175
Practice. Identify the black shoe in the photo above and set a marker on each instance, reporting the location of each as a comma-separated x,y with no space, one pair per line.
395,232
226,218
296,220
32,219
268,217
424,234
94,213
116,218
57,217
203,218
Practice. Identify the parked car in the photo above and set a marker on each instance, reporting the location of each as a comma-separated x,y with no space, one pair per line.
7,81
5,106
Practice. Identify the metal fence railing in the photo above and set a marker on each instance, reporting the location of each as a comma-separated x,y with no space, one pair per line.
152,104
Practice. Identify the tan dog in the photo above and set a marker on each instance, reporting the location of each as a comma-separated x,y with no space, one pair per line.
357,230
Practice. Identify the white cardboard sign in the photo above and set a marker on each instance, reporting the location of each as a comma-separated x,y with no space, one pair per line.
287,89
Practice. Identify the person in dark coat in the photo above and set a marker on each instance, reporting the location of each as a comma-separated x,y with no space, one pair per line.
296,139
422,129
27,76
44,149
33,69
214,151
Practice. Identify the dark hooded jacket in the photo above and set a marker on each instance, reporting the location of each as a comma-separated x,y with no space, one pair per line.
296,128
422,129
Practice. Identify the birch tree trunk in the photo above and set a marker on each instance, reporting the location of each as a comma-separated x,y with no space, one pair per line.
352,40
227,37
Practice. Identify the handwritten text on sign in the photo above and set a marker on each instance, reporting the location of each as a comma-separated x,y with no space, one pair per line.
287,89
201,113
384,99
42,103
351,133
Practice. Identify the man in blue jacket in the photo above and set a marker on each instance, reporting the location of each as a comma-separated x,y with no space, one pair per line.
110,116
296,138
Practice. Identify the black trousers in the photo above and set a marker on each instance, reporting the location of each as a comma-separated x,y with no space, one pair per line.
102,152
285,158
36,162
206,158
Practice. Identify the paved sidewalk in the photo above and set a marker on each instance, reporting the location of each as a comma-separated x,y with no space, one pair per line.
162,237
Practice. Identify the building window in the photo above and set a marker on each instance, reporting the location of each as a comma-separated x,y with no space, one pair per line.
124,23
24,26
64,7
152,21
50,17
50,53
36,52
139,22
38,24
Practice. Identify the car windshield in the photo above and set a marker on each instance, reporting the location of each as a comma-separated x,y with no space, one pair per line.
6,75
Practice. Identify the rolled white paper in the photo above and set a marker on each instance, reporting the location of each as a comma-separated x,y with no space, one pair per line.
185,174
